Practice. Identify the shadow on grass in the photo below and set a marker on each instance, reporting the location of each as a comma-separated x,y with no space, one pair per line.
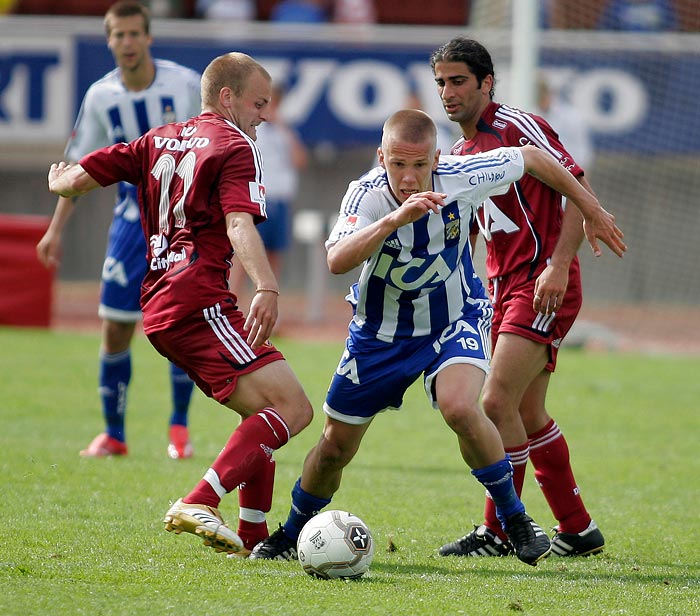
551,569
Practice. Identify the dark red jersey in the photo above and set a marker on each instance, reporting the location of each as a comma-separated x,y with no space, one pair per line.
521,227
190,175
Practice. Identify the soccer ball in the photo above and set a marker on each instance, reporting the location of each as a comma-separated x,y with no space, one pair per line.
335,544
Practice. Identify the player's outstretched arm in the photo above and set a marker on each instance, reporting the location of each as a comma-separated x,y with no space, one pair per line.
598,223
67,180
48,249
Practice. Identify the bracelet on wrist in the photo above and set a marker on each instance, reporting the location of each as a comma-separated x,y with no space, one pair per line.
275,291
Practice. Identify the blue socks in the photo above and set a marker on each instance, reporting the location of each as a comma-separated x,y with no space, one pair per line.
115,374
181,387
497,478
304,507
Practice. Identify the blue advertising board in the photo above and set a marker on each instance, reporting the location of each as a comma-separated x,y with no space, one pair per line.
342,94
637,101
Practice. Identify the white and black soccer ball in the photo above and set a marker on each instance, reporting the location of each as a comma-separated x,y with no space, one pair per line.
335,544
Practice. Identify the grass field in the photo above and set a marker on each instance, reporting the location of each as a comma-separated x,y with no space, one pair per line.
84,536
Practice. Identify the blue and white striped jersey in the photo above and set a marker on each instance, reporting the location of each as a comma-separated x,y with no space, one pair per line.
112,114
422,278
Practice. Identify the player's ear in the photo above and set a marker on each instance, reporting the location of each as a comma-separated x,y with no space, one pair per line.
487,84
437,159
380,157
226,97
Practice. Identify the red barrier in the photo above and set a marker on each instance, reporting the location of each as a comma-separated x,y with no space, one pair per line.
26,286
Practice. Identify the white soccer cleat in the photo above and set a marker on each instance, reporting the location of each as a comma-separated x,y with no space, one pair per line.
204,521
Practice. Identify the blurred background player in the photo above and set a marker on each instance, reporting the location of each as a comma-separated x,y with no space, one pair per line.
571,127
141,92
535,285
285,157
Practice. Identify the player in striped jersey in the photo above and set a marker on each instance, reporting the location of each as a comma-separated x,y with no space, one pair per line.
140,93
201,194
419,309
535,285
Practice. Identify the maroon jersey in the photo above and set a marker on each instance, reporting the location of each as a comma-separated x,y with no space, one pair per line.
521,227
190,175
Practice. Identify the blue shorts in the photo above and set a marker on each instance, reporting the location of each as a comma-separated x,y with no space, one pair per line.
275,230
123,271
373,376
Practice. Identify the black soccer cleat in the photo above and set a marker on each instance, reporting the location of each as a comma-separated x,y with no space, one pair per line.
585,543
529,541
275,547
482,541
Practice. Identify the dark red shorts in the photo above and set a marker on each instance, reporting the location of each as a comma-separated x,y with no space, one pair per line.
512,298
211,347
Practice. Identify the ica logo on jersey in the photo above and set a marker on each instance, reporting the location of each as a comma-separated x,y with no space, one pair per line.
415,274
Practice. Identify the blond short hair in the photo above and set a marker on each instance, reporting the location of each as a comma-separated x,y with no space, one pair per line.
232,70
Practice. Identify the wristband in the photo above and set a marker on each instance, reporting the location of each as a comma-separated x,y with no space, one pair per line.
275,291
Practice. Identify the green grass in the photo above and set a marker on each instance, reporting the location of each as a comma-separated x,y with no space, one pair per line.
85,536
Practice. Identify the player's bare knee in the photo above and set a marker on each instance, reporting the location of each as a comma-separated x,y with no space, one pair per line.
333,455
296,411
116,336
300,416
460,416
495,404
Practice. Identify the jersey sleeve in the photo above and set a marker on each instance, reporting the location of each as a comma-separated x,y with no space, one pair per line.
89,133
476,177
241,187
524,128
358,209
116,163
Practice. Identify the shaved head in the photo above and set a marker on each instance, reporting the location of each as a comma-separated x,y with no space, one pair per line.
409,126
409,152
